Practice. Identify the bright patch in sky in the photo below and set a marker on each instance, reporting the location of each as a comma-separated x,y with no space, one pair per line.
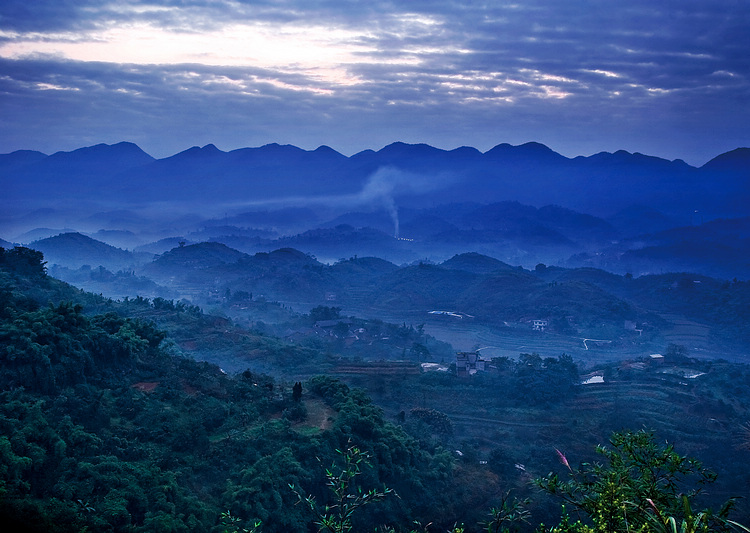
322,52
605,73
354,75
51,87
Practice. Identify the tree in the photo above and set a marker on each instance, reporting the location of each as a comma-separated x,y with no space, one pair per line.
323,312
676,353
642,486
419,351
297,392
347,496
510,513
24,261
438,421
261,492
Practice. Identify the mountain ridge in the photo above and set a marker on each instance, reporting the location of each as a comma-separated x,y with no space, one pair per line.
481,286
208,183
531,146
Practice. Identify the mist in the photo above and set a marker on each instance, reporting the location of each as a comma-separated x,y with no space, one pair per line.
380,192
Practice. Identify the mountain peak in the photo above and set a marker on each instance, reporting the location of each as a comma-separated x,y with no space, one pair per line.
526,150
737,159
70,237
325,149
19,158
401,147
194,152
475,263
103,150
536,147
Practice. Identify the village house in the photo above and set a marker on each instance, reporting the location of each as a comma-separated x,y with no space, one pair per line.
333,327
593,377
469,363
656,358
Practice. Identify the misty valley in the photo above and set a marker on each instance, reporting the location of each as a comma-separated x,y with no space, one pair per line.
411,339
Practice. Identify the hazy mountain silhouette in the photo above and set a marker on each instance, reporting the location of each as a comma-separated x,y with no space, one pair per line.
407,174
737,160
523,204
492,291
204,255
476,263
245,175
74,250
87,175
638,220
19,159
718,248
38,234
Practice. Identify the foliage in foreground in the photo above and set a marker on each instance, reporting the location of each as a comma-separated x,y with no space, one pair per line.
640,487
347,497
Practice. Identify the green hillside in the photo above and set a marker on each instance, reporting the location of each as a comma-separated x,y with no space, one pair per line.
104,429
112,418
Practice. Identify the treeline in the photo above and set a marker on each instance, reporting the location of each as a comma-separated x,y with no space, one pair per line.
534,380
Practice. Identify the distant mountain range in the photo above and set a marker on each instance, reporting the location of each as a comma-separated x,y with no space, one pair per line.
522,204
515,233
210,181
587,302
74,250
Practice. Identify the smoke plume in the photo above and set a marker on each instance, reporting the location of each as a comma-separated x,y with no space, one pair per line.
379,191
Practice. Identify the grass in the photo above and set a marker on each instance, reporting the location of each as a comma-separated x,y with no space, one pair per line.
319,417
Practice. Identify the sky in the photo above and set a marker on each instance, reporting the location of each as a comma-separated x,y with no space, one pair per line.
661,77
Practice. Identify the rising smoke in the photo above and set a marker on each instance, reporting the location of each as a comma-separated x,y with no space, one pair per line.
379,191
379,188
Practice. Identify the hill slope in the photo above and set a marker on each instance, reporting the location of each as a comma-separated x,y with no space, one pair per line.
74,250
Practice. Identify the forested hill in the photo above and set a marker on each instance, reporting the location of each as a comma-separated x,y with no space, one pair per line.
101,428
104,428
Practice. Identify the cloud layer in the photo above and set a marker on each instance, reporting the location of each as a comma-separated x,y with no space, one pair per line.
665,78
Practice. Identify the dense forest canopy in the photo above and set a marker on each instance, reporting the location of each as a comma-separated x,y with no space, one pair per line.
106,426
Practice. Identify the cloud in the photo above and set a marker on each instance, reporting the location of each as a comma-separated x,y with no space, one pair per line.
579,76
